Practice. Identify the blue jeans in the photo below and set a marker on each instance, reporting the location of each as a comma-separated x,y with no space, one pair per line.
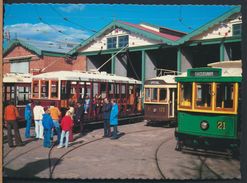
66,135
28,126
57,128
47,138
114,132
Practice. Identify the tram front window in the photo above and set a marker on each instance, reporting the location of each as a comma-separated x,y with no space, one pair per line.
147,95
22,95
44,89
203,95
185,94
224,96
163,94
154,95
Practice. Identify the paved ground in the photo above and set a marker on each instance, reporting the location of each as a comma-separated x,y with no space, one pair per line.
133,155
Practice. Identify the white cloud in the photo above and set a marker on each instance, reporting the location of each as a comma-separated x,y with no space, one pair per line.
44,32
72,7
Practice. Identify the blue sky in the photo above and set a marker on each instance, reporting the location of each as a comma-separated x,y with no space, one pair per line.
75,23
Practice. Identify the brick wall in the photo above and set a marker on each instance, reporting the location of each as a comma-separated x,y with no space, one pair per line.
47,63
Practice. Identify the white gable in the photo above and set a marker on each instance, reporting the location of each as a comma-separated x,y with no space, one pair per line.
223,29
100,43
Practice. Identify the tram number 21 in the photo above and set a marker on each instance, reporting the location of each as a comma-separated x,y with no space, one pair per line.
221,125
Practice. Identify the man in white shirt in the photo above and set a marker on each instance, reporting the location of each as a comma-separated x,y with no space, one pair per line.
38,112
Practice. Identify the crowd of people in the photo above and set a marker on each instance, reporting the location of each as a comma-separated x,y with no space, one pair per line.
48,122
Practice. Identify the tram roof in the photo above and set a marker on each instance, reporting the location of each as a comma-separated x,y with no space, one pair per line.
86,76
217,71
17,78
169,79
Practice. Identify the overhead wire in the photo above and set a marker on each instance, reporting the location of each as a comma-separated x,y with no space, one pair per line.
54,28
68,20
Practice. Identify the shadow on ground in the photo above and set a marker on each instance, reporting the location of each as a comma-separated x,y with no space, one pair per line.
30,170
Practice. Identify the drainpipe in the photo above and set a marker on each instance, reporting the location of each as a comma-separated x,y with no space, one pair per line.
179,59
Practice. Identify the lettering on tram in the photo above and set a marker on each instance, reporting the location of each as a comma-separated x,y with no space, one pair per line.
208,110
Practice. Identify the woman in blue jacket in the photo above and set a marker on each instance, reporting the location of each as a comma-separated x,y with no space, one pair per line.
28,119
114,118
47,123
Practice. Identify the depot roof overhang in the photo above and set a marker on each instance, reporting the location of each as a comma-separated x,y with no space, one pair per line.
117,24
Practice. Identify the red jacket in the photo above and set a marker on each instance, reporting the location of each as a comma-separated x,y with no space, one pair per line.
67,123
10,113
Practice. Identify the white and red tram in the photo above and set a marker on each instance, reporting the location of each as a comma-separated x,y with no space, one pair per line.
67,87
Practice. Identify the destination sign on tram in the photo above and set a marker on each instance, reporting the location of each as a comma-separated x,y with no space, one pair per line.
205,73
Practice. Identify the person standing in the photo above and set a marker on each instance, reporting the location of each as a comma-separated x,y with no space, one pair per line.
79,114
47,123
28,119
66,125
106,109
72,113
38,112
10,116
114,118
55,115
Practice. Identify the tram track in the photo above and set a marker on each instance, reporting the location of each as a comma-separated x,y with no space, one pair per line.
52,168
207,166
156,157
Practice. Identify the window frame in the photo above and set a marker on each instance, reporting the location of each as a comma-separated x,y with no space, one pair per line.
114,45
220,109
239,29
124,41
195,96
180,95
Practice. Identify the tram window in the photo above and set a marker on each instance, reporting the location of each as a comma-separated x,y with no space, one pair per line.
154,94
186,94
147,95
35,89
10,93
96,89
103,90
123,90
22,95
117,90
203,95
44,89
163,94
54,89
224,95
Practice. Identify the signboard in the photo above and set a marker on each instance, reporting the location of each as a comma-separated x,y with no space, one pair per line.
154,82
204,73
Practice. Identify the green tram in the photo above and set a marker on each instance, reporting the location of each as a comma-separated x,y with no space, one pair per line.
209,107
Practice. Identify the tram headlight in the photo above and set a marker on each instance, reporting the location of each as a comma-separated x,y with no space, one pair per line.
204,125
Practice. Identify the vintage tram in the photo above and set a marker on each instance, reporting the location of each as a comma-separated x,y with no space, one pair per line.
160,95
208,107
68,87
17,88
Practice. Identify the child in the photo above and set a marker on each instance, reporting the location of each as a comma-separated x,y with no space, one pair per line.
66,124
47,123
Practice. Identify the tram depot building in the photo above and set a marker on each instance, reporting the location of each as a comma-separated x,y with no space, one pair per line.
133,50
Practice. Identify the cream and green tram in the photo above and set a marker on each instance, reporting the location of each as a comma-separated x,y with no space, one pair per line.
160,95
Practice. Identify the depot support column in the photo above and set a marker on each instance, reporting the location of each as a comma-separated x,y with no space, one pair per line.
143,68
179,59
222,51
113,64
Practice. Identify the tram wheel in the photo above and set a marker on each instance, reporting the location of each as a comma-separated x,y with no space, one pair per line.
179,146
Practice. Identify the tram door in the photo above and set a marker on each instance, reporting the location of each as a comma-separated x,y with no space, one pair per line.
172,95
